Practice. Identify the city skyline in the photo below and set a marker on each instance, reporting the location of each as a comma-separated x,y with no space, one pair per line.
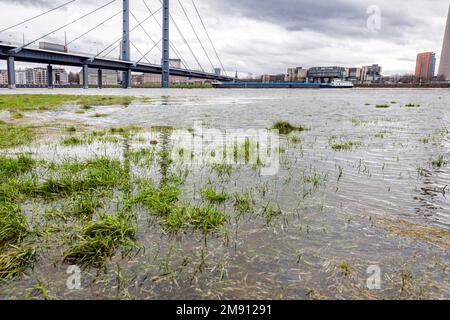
266,38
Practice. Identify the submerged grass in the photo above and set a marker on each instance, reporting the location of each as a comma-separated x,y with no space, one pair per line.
439,162
345,146
13,226
284,127
13,136
13,167
163,201
212,195
199,218
99,240
16,261
84,176
160,200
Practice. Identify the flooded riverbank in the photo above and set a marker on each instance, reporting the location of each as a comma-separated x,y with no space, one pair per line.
363,185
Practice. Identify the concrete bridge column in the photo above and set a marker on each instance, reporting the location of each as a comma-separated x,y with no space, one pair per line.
50,76
11,72
100,79
85,76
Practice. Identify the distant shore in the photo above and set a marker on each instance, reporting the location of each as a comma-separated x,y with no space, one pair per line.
207,86
404,85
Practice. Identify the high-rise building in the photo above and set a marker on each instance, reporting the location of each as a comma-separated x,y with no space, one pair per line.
425,66
371,73
21,77
444,67
37,76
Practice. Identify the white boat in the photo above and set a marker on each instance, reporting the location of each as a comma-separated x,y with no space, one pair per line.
341,84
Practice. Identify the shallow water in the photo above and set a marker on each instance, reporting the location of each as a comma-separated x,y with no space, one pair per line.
297,255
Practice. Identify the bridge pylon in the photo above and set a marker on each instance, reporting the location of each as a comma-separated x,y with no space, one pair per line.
165,81
125,46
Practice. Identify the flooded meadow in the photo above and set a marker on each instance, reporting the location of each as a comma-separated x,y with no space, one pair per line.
104,197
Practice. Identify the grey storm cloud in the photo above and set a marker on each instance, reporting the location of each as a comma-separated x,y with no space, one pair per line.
343,17
39,3
259,36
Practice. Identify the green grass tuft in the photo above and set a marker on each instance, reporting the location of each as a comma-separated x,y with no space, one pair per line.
17,261
13,136
13,226
212,195
100,239
439,162
286,128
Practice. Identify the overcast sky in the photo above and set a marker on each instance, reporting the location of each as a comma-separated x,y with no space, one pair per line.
253,36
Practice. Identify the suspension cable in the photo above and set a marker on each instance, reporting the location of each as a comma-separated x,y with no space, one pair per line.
196,34
114,48
97,26
37,16
145,55
64,26
142,27
210,40
184,40
139,51
121,38
172,46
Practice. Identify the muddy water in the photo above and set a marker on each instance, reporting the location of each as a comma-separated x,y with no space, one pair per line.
352,217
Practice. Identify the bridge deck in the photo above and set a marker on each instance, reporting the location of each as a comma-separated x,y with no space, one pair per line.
32,55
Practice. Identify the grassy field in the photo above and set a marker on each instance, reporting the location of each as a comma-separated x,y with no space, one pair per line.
36,102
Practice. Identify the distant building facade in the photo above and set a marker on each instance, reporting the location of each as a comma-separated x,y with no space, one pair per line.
371,73
444,66
175,63
326,74
109,77
3,77
354,74
155,80
38,76
273,78
425,66
21,77
296,74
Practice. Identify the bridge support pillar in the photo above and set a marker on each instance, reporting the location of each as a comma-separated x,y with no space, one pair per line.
100,78
126,79
11,72
125,53
85,76
165,81
50,76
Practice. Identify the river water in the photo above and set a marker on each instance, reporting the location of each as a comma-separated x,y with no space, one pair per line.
373,205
